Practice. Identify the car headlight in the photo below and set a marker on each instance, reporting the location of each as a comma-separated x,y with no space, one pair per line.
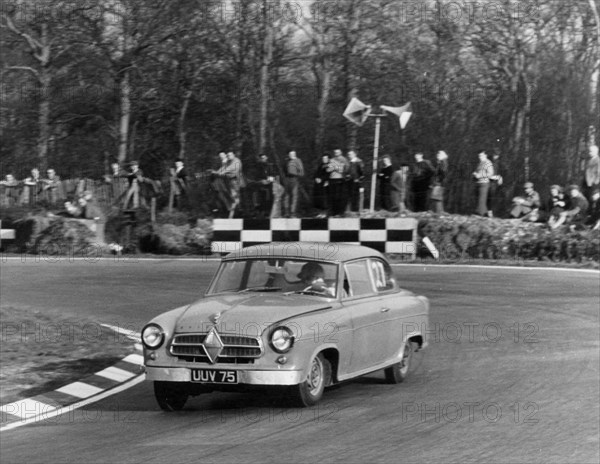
282,339
152,336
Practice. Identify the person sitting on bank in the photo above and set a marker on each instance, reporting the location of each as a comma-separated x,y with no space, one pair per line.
557,204
527,208
575,215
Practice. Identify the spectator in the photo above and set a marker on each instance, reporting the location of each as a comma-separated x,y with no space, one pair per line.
594,210
220,186
33,187
557,203
294,170
483,175
116,183
337,181
356,176
385,178
421,181
52,187
135,177
398,185
576,210
321,188
232,171
10,196
263,186
89,208
179,183
527,207
440,173
591,178
496,182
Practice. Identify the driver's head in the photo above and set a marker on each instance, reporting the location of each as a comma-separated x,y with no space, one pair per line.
311,272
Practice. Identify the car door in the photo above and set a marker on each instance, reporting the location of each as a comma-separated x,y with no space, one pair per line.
400,308
363,304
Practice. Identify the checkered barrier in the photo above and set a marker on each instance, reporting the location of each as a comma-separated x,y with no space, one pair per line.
391,235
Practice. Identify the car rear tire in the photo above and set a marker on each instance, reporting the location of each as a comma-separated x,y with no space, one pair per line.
397,373
310,392
170,397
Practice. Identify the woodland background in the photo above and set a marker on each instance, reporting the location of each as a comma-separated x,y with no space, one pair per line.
88,82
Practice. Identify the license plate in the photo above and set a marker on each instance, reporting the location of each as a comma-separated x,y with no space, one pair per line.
214,376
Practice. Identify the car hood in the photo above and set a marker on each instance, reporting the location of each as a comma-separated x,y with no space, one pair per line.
244,313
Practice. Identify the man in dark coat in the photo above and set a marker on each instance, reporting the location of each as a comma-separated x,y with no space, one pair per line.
421,180
263,186
385,177
356,176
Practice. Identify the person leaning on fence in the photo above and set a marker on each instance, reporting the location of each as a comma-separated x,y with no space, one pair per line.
10,191
52,187
576,212
440,172
527,207
116,183
483,175
231,170
135,177
33,188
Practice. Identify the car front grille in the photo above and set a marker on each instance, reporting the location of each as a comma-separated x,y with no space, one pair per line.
236,349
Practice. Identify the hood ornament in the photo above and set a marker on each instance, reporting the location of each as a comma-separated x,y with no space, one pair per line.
214,318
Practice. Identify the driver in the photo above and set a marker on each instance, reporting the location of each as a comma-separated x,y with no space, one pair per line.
313,276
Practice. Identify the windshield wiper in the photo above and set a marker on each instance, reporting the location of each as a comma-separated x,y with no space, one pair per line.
312,292
261,289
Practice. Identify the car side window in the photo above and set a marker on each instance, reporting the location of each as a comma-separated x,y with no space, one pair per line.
382,275
359,280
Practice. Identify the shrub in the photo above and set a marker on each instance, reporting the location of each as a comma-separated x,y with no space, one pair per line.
484,238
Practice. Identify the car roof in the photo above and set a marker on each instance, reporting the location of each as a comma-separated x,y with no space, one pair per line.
318,251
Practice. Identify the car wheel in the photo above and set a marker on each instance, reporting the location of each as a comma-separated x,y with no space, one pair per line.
169,396
398,372
310,392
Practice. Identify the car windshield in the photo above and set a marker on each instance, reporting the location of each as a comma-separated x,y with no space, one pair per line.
278,276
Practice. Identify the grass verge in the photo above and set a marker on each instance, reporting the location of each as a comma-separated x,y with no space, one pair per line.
42,351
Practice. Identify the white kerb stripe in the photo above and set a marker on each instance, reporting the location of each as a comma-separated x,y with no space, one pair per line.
116,374
26,408
80,390
137,359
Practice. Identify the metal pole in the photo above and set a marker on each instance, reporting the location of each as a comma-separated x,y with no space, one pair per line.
375,159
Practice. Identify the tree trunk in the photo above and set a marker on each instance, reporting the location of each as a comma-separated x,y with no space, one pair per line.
267,58
44,118
595,77
125,116
324,92
181,129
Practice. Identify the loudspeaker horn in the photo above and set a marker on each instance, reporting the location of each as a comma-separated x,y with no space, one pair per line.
402,112
357,112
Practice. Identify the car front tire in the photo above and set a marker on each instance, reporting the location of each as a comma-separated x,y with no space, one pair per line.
397,373
310,392
170,397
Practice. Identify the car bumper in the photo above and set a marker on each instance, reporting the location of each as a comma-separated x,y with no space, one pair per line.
245,377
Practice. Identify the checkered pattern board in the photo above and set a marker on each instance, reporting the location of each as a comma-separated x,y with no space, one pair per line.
391,235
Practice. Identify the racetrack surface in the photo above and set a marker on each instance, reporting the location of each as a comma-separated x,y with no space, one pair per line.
511,375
